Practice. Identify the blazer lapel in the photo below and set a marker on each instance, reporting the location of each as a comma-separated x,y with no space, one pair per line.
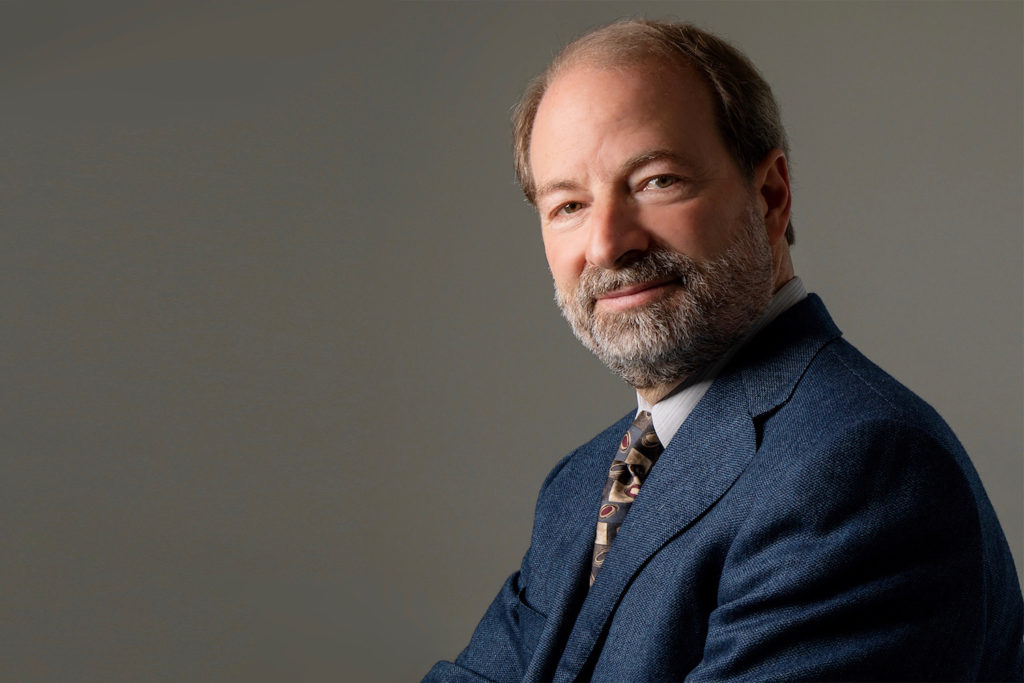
586,471
704,458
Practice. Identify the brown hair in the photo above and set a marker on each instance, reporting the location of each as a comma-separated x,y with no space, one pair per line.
745,109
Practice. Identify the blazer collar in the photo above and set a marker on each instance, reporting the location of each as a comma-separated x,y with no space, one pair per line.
704,458
774,361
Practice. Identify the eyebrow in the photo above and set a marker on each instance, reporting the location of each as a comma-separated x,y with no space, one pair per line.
629,166
653,155
555,186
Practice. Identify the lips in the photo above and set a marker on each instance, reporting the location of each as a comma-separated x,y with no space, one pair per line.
635,295
652,276
637,288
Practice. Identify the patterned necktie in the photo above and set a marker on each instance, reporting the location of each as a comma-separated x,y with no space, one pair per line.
636,456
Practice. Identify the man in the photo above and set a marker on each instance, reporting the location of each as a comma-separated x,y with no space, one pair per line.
777,507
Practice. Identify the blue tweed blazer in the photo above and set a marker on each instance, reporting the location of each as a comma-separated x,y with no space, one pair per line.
812,519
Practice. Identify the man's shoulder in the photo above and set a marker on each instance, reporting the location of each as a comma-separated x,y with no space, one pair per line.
841,384
817,400
805,370
849,423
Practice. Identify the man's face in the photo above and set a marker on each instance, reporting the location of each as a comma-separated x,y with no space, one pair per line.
655,239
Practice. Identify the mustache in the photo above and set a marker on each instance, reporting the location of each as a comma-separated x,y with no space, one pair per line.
652,265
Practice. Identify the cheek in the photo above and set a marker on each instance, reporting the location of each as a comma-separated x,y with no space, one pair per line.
564,261
699,229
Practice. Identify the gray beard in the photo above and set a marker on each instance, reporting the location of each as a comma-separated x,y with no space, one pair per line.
671,338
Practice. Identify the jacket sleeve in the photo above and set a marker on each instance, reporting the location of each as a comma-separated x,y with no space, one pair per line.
869,567
502,644
497,651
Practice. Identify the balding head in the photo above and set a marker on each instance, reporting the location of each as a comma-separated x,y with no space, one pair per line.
746,113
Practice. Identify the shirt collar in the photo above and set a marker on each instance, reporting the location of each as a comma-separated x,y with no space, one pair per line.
669,413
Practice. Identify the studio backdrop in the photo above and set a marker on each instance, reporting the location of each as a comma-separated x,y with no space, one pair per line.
282,368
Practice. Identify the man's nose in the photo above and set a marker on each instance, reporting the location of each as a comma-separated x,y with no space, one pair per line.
616,236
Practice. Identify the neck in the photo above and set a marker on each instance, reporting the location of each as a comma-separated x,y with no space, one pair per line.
782,265
654,394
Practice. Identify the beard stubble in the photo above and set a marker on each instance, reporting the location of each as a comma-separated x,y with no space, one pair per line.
714,303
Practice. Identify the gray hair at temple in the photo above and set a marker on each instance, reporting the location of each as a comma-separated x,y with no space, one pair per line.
745,108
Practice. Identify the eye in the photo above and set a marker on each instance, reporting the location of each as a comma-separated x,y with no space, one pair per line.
569,207
660,182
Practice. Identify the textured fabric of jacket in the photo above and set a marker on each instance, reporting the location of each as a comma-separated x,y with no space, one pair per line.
812,519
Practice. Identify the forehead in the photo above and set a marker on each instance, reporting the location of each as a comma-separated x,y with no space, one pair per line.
593,117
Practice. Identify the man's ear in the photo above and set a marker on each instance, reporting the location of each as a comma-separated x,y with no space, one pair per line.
771,184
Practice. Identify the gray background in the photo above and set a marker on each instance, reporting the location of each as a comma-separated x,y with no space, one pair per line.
282,372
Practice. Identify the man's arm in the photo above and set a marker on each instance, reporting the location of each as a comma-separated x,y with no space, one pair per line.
496,651
502,644
871,567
